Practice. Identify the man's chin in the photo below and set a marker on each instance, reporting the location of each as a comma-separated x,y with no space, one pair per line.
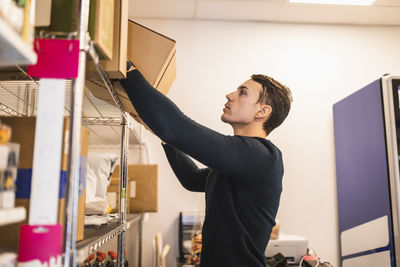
224,119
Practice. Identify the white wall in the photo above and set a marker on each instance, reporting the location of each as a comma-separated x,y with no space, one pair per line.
321,64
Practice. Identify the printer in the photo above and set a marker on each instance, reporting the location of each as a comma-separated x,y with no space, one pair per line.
293,247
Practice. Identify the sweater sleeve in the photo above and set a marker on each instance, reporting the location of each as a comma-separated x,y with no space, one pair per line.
189,175
234,156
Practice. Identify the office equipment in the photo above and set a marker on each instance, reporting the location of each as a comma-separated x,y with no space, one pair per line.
293,247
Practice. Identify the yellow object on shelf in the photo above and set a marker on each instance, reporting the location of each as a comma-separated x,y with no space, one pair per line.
27,27
5,134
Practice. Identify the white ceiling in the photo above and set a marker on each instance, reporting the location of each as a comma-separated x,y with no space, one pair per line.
382,12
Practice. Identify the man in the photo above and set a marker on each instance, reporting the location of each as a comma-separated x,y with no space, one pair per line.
243,181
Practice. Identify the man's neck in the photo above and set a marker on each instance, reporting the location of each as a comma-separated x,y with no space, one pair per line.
252,130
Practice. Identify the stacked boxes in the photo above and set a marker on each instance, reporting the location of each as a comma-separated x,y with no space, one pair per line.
24,134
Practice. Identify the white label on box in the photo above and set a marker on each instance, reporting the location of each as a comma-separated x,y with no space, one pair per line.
42,12
132,190
47,152
122,205
3,156
66,142
7,199
112,199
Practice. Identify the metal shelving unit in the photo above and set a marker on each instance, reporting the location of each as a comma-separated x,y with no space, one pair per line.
98,237
18,95
95,238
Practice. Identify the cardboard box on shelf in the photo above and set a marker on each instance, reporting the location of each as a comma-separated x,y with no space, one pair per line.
116,67
142,187
154,56
23,132
102,31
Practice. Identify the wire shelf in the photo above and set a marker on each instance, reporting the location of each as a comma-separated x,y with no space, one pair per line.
19,93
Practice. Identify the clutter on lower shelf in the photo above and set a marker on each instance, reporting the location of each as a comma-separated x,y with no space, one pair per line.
294,247
101,259
190,225
99,169
99,220
292,250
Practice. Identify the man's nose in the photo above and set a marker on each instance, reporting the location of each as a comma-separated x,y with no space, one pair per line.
229,96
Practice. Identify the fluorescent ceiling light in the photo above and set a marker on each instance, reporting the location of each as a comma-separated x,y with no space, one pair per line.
336,2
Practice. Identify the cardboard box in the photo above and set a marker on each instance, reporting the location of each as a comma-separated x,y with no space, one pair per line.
102,31
154,56
116,67
142,187
23,132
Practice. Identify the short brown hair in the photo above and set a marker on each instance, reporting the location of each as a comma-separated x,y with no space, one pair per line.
276,95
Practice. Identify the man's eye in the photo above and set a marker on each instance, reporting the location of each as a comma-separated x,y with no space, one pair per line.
241,92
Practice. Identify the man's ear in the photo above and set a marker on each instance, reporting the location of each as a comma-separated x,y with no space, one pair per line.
264,112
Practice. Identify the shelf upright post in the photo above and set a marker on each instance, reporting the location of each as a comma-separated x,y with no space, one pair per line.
70,256
123,174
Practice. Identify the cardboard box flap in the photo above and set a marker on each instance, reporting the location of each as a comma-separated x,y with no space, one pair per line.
154,56
151,52
168,76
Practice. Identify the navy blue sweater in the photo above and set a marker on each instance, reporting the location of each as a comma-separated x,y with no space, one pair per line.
242,184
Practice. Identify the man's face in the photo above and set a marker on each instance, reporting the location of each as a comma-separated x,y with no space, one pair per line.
242,105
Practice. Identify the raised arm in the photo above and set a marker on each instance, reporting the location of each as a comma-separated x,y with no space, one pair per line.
232,155
191,177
